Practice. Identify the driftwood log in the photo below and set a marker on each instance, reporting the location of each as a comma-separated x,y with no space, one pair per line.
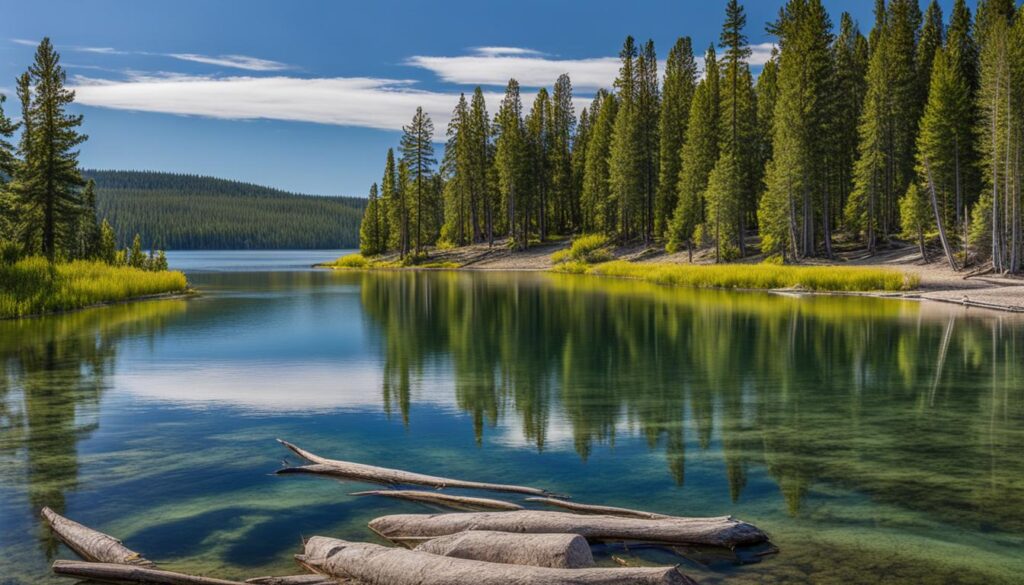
454,502
723,531
383,475
90,544
115,573
556,551
293,580
601,510
372,564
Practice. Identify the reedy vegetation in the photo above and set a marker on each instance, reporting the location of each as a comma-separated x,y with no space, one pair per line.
832,135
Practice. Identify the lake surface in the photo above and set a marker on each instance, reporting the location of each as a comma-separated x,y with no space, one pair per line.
877,441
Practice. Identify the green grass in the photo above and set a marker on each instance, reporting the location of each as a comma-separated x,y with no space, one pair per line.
754,276
353,261
587,249
33,286
360,262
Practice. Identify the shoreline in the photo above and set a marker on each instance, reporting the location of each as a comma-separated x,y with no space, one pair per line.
938,283
189,293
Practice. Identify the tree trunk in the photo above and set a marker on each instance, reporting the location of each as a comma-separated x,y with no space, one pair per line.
90,544
454,502
372,564
938,218
723,531
374,474
555,551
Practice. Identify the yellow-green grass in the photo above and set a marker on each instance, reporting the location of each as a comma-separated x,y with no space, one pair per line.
754,276
587,249
33,286
360,262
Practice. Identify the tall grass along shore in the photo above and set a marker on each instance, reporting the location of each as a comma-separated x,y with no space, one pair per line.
33,286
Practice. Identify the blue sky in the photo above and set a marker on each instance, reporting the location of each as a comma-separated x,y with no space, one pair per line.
307,96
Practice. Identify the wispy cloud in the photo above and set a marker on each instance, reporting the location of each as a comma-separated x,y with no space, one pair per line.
499,51
364,102
235,61
99,50
24,42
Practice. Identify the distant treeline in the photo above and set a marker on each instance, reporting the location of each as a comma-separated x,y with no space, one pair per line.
192,212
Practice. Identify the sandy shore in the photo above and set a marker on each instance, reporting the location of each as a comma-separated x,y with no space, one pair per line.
938,281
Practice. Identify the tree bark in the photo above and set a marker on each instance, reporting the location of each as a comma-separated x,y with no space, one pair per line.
601,510
454,502
114,573
938,218
90,544
555,551
373,564
383,475
722,531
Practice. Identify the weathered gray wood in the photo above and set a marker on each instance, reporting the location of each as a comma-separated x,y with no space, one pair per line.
556,551
383,475
294,580
592,509
373,564
723,531
455,502
90,544
115,573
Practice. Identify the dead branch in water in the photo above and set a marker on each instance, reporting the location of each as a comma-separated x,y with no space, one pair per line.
90,544
115,573
383,475
600,510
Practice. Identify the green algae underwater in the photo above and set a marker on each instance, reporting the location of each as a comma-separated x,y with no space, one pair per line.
877,441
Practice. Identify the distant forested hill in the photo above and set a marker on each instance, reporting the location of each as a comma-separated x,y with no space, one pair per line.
191,212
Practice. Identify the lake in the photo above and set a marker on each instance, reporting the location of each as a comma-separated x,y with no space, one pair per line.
877,441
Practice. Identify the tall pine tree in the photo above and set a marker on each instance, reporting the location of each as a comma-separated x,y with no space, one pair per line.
677,95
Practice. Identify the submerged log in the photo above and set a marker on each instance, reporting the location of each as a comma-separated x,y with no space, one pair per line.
114,573
383,475
456,502
90,544
556,551
723,531
372,564
600,510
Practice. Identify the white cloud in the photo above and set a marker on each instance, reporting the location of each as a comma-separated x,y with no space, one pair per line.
99,50
364,102
24,42
496,51
530,70
235,61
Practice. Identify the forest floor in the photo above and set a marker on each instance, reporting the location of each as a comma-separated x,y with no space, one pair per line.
938,282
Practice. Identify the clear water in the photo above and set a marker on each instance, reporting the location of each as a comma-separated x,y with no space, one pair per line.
878,441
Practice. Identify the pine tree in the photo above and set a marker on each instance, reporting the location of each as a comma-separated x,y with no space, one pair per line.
580,143
767,90
404,202
915,216
510,162
474,155
371,242
698,157
928,44
677,95
49,179
87,237
596,200
457,228
850,55
108,243
136,257
538,143
8,166
563,125
625,180
418,154
648,109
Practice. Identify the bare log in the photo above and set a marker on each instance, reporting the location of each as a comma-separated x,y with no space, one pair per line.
90,544
723,531
293,580
601,510
383,475
115,573
556,551
373,564
455,502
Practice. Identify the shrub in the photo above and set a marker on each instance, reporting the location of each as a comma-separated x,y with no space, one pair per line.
588,249
354,261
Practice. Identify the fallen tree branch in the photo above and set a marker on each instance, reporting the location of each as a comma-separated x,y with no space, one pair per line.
90,544
372,564
311,579
115,573
556,551
455,502
723,531
383,475
602,510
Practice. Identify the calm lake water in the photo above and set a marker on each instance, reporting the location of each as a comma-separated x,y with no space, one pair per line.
877,441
